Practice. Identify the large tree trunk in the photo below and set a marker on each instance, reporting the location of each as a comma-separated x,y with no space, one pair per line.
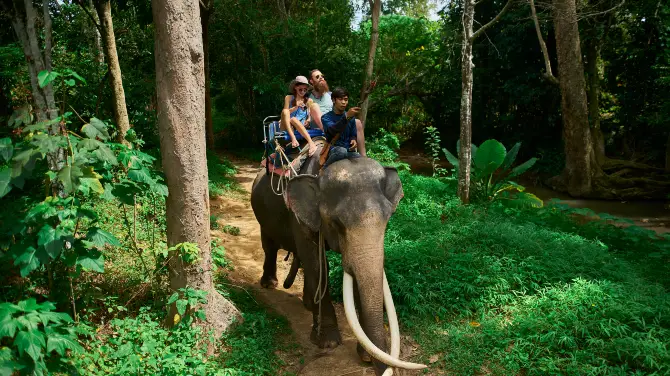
576,133
592,57
205,12
369,68
465,151
180,85
104,10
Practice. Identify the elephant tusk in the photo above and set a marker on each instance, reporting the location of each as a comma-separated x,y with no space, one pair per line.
374,351
393,325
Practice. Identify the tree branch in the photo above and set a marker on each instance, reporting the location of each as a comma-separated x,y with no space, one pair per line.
492,22
547,63
48,39
97,26
582,16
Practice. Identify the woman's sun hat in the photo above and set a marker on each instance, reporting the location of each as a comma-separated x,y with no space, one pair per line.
299,80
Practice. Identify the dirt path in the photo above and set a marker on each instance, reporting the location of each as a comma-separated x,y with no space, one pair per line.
246,255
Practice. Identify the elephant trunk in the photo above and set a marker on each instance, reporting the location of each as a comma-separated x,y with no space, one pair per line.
370,279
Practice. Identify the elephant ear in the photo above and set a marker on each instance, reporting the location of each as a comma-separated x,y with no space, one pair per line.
302,197
393,187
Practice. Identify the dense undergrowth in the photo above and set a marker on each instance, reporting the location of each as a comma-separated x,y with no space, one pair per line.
494,290
120,313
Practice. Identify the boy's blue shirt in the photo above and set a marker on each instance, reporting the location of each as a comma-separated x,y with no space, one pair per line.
334,124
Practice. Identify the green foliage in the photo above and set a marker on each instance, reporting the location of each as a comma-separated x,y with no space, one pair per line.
189,252
144,343
41,340
515,290
188,299
433,149
232,230
491,171
221,173
219,260
383,148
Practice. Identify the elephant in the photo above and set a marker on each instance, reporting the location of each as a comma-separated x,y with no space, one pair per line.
348,204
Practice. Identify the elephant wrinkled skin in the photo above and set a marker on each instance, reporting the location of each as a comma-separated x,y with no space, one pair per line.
350,202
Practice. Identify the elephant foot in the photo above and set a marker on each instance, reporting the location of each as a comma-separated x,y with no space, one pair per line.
330,337
365,357
269,282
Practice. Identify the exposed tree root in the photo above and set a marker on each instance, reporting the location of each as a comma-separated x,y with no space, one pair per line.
623,180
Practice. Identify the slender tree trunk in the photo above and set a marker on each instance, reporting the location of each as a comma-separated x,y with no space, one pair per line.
592,57
180,85
209,123
100,54
376,6
465,151
104,10
24,18
576,133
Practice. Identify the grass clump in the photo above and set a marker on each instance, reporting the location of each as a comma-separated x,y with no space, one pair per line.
499,292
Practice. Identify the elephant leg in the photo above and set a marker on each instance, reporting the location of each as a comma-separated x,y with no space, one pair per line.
269,278
328,334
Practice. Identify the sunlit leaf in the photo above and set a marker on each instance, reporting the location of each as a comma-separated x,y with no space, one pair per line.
74,74
69,82
93,260
60,344
50,238
101,237
69,176
45,77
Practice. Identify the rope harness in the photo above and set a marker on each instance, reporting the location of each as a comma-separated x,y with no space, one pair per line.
280,191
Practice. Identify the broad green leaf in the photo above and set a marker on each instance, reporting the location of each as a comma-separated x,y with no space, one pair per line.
101,237
7,363
30,342
105,154
511,156
88,185
6,148
525,199
27,261
181,306
5,179
161,189
141,176
108,195
69,82
8,327
173,298
42,126
520,169
28,305
125,191
450,157
96,128
47,143
490,156
89,144
26,158
94,260
45,77
69,176
60,344
75,75
51,240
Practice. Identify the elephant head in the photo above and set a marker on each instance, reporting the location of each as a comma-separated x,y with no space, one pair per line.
351,203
